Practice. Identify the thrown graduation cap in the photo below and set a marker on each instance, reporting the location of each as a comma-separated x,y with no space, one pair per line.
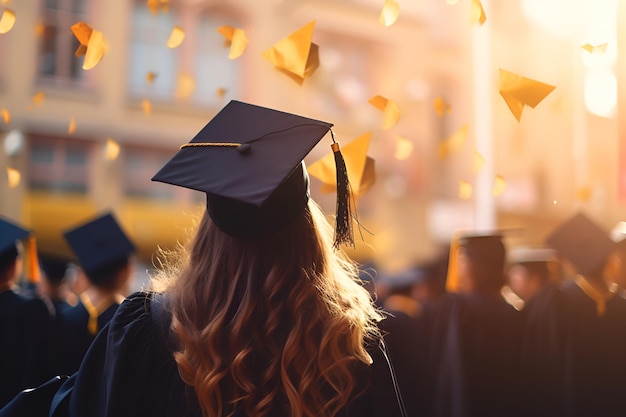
296,55
10,233
360,167
249,161
582,242
99,243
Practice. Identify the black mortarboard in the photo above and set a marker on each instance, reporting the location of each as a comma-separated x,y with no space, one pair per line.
10,233
249,161
483,247
99,243
582,242
54,267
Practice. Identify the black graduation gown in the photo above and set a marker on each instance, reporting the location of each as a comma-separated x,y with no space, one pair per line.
473,356
129,371
406,346
574,360
24,326
71,337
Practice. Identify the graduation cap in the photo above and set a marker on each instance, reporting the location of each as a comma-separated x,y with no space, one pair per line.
582,242
54,267
249,161
481,245
485,246
10,233
99,243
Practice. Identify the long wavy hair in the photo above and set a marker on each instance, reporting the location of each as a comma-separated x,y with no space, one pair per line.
271,327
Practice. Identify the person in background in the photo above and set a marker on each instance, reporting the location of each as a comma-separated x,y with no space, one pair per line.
104,253
398,289
262,315
574,354
53,286
432,286
24,322
403,335
530,269
473,334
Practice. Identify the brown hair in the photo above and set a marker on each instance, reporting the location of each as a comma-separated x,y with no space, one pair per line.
271,327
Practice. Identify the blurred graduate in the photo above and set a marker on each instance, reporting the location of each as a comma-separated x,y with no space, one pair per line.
530,271
403,335
53,286
473,334
104,253
574,354
24,322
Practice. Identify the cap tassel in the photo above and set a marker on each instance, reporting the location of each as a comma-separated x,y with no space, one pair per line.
33,274
452,279
343,223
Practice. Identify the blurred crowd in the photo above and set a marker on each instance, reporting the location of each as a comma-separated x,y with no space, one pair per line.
480,330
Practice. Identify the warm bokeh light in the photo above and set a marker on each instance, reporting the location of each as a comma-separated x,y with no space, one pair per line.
390,109
6,116
390,12
7,21
146,106
441,106
454,143
236,40
404,148
176,37
465,190
601,93
185,86
499,186
14,177
150,77
478,162
71,128
111,150
477,13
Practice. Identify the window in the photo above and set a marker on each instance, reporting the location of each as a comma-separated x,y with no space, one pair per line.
149,53
347,67
202,55
213,68
57,43
140,165
58,165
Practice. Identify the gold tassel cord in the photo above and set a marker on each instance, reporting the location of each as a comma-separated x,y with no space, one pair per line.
452,279
33,272
216,144
599,298
94,311
92,324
